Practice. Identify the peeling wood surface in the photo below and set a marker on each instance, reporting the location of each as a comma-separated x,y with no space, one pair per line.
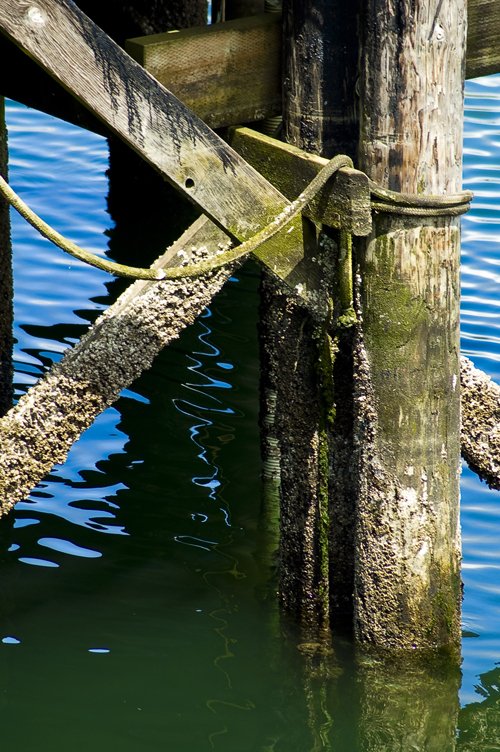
411,129
221,72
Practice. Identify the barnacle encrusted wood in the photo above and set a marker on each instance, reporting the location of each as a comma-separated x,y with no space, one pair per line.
480,422
407,541
39,431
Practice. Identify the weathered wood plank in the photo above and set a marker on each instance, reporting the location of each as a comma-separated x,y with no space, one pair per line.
147,116
343,203
221,72
483,38
162,130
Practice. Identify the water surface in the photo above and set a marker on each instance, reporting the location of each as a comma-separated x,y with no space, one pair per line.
131,609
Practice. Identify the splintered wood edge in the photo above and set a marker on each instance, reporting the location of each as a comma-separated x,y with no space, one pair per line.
343,203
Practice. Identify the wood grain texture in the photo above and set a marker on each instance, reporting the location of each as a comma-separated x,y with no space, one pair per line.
483,45
221,72
407,587
161,129
320,72
411,73
72,49
343,203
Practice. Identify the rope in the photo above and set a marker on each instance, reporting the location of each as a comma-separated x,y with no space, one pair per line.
279,222
392,202
48,232
191,270
387,201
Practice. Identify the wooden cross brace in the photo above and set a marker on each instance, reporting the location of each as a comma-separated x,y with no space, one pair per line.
166,133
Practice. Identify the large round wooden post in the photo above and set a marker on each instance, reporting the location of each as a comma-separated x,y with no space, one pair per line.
407,580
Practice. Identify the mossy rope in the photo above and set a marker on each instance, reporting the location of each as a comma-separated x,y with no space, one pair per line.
386,201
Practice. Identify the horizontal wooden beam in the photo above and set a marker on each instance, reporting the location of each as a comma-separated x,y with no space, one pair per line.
230,73
229,77
344,202
227,73
483,38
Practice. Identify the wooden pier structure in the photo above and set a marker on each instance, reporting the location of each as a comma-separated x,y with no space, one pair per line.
354,217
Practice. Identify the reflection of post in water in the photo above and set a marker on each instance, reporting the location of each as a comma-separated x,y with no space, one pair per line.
369,704
479,722
408,704
5,282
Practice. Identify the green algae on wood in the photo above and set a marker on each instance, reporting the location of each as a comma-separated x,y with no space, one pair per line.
407,581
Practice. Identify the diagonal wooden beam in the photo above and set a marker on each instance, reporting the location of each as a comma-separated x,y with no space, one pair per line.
76,52
41,428
150,119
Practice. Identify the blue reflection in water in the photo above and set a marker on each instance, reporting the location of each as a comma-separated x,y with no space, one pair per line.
66,547
480,309
200,412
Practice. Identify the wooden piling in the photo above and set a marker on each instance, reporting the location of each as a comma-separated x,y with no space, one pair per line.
407,582
311,429
319,75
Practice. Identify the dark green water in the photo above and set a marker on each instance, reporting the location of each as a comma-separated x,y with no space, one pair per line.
133,580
